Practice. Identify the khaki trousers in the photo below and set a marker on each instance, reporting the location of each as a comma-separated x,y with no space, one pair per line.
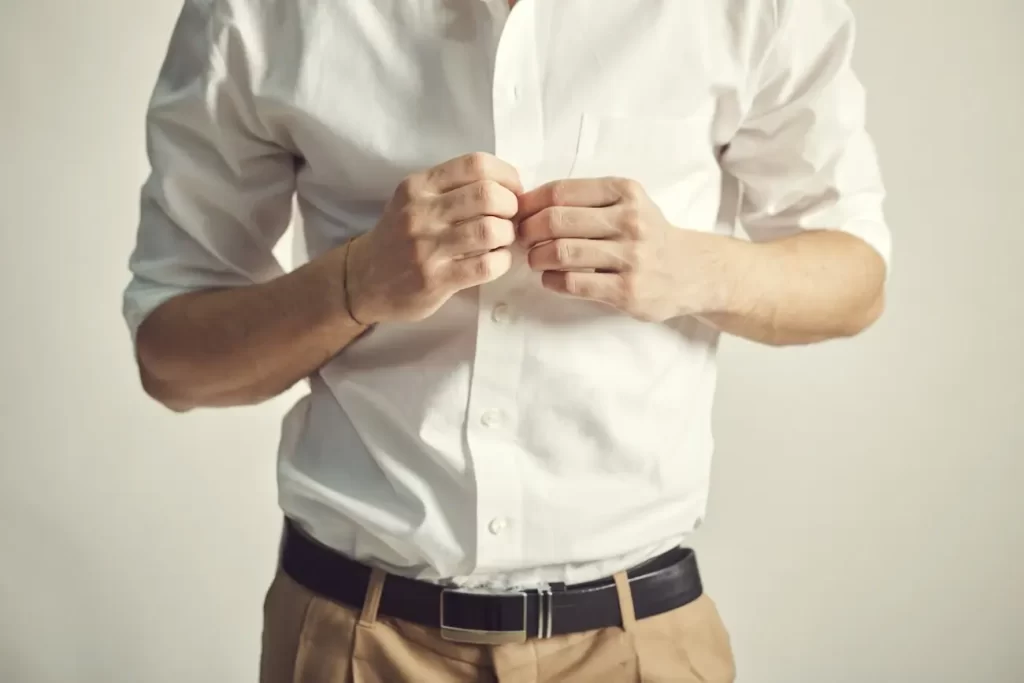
309,639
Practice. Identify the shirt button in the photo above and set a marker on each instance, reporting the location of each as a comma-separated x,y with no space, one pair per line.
513,93
697,523
492,418
501,313
497,525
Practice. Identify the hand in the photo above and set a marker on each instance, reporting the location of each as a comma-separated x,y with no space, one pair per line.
445,229
606,240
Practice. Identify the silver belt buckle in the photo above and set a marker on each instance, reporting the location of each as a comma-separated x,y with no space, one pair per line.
471,636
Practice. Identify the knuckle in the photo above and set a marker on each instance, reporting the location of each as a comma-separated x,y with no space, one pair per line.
492,195
563,252
558,191
574,285
476,164
553,218
485,190
490,192
480,191
497,232
631,221
630,189
481,268
410,187
484,232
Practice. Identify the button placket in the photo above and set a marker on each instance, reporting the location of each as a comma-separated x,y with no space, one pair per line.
493,409
518,116
518,108
493,421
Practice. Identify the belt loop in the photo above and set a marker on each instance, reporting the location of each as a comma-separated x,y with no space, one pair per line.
371,603
625,601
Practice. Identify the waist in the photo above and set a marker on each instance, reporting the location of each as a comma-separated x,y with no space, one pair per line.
418,559
666,582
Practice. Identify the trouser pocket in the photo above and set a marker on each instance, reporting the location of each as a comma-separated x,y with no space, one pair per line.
306,639
686,645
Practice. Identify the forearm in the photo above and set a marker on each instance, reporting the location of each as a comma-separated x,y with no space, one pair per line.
244,345
802,289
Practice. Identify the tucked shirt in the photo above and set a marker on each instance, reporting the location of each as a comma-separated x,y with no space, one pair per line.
517,437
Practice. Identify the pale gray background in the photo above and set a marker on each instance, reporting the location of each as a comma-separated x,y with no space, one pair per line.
867,513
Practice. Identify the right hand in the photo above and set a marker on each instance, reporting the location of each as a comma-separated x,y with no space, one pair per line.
445,229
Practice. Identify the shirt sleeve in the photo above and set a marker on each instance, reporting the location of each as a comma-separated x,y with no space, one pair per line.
802,155
219,195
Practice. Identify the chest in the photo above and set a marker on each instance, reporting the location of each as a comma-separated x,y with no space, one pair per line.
368,91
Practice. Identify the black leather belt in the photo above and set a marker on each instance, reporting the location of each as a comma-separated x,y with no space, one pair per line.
667,582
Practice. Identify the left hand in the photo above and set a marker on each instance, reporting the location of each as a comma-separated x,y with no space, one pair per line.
605,240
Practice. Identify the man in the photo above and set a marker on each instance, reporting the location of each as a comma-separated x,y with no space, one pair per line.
520,223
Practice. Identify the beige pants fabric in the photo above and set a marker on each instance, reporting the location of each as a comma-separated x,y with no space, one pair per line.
310,639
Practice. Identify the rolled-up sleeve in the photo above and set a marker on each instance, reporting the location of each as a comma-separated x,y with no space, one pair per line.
802,155
219,194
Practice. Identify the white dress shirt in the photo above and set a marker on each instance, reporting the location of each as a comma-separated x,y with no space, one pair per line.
517,437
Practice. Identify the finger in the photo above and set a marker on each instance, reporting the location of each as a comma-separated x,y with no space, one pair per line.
560,222
478,270
587,192
476,236
482,198
607,288
469,169
575,254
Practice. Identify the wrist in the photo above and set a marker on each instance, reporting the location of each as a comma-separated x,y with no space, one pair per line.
330,274
722,266
350,292
332,281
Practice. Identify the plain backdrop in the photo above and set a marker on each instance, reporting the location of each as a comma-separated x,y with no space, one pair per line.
867,521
